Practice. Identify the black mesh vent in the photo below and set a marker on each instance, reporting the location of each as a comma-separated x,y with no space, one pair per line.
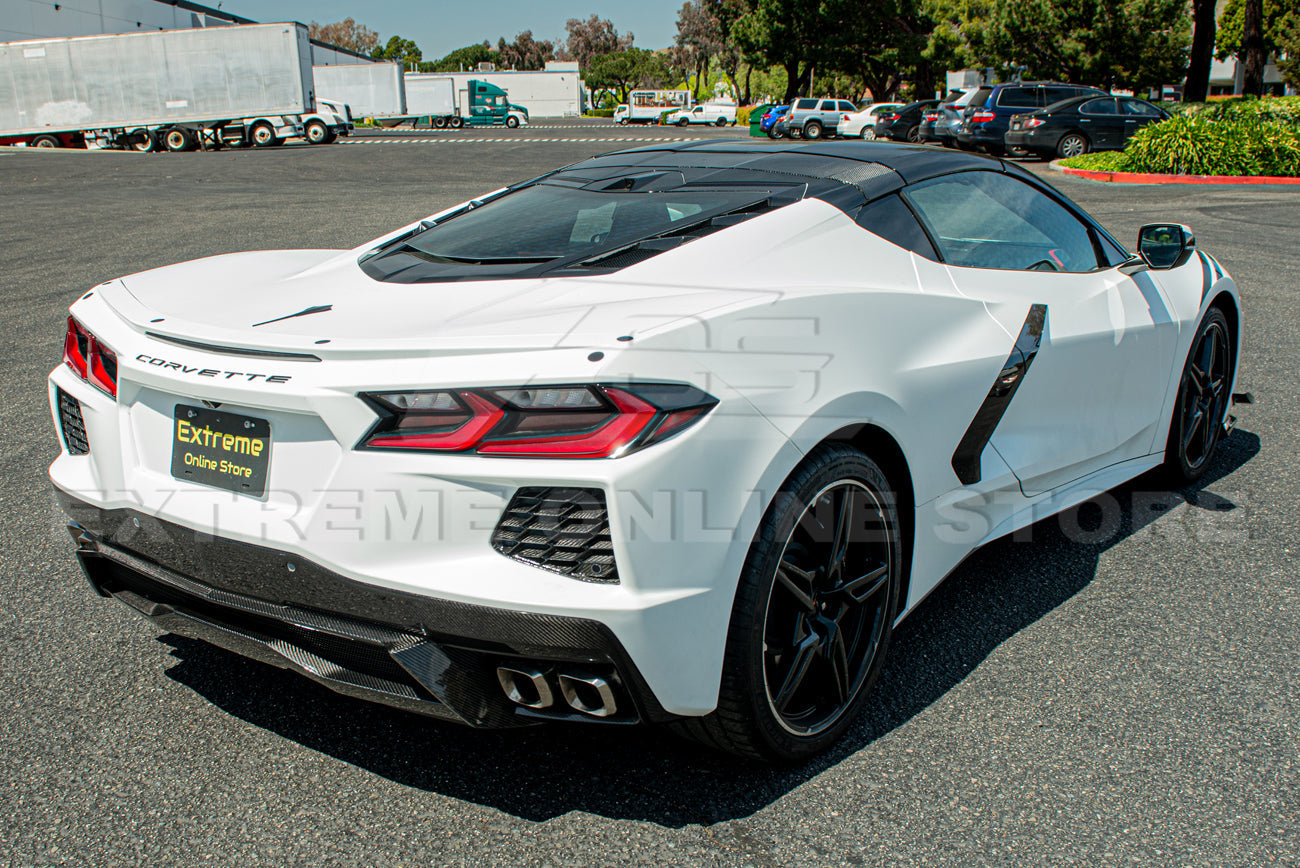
74,427
561,529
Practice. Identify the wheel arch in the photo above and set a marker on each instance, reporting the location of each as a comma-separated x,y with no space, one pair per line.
1225,302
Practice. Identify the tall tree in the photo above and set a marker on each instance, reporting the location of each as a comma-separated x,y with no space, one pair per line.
1197,87
525,52
1288,45
1267,18
622,71
345,34
404,51
786,33
594,36
699,38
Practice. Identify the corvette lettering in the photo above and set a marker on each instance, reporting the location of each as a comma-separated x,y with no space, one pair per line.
209,372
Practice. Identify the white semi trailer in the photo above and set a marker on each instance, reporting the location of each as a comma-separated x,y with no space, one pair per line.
173,89
372,90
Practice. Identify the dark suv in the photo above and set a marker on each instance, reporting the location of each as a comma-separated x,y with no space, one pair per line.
987,126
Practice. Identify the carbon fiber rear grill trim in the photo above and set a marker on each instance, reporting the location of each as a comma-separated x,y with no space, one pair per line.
72,424
565,530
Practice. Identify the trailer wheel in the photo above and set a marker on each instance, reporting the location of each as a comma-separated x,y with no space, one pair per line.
456,123
149,143
45,142
263,135
178,139
439,123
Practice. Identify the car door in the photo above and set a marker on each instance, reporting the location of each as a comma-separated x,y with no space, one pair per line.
1137,114
1092,394
1101,121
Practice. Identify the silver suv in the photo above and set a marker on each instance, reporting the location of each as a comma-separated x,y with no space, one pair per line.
812,118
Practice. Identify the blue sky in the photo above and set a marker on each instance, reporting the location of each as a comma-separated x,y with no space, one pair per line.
439,26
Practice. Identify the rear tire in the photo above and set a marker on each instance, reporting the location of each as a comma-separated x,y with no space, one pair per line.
149,143
178,139
913,134
720,122
1204,394
813,612
46,142
868,133
772,133
456,123
1072,145
812,130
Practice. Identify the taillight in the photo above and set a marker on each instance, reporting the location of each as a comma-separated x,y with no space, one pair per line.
931,116
982,117
886,116
588,421
90,359
1034,122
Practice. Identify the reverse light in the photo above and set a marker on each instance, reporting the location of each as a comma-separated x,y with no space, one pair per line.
586,421
90,359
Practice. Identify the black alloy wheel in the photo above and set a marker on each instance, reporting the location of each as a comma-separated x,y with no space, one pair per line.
1203,396
913,133
774,133
813,614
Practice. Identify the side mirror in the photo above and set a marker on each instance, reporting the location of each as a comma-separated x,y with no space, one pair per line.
1165,245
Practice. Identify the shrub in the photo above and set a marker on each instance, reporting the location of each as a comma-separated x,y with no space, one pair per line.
1098,161
600,113
1240,139
742,115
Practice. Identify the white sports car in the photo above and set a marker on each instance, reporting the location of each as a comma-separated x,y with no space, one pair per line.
675,435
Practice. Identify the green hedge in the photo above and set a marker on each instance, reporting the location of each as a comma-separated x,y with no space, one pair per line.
742,115
599,113
1230,137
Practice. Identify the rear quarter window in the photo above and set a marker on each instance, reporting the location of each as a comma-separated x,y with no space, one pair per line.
1018,97
806,104
893,221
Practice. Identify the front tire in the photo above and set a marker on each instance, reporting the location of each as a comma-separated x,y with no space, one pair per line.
773,133
682,122
512,122
813,613
1203,397
868,133
316,133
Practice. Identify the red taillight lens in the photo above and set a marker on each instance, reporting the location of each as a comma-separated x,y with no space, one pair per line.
1034,122
536,422
931,116
91,360
76,348
886,116
982,117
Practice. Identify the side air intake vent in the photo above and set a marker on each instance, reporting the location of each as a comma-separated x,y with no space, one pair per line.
73,425
565,530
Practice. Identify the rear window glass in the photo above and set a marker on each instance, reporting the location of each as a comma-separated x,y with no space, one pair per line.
893,221
1139,108
1098,107
806,104
846,106
1018,97
978,98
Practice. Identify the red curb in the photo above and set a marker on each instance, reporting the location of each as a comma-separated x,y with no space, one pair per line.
1149,178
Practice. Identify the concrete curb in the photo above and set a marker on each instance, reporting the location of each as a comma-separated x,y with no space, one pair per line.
1152,178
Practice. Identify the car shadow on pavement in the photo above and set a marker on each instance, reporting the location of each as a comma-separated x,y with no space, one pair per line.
647,774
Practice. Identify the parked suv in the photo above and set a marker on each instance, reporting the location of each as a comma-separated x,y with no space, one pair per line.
986,126
813,118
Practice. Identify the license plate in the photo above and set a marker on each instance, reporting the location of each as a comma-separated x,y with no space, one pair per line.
220,449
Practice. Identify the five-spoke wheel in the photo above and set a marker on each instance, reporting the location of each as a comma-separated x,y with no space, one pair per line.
1203,396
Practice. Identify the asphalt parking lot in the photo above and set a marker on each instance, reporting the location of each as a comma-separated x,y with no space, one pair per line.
1118,687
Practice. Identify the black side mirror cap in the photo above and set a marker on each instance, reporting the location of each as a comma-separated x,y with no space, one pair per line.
1166,245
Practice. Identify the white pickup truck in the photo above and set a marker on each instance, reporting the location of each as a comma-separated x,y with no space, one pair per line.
718,115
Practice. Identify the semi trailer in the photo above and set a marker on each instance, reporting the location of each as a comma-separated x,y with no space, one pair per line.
241,85
476,104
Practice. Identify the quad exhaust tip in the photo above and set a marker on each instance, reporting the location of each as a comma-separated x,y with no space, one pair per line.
530,687
526,686
589,694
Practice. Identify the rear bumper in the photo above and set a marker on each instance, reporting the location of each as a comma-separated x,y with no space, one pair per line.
435,657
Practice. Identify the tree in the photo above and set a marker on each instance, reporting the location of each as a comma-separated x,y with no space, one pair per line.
468,57
623,71
592,37
405,51
1288,44
525,52
1250,30
1197,87
881,44
345,34
786,33
699,39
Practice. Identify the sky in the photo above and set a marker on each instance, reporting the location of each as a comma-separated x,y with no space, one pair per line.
440,26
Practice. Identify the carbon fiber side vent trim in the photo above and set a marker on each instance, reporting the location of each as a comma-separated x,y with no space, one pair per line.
565,530
72,423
